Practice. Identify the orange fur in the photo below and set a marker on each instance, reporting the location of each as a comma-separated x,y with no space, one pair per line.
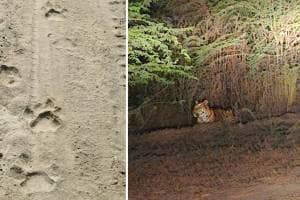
205,114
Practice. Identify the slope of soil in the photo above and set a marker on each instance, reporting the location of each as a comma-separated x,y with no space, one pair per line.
258,160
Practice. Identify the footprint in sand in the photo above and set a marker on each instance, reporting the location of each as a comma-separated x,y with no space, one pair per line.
37,181
54,12
32,182
9,76
43,117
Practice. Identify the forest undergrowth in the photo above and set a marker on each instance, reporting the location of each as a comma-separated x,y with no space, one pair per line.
235,53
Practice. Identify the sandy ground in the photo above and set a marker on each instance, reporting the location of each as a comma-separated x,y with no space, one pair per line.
259,160
62,99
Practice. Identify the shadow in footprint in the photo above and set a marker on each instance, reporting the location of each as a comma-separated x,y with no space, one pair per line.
37,182
9,75
46,121
55,14
16,172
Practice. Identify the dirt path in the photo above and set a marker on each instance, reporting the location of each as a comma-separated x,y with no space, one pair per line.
62,99
258,160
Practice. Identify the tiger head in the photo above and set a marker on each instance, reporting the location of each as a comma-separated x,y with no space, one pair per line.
203,112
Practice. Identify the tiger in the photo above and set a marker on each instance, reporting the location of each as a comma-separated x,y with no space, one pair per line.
205,114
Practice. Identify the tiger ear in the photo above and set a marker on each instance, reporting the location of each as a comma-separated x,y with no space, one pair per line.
205,102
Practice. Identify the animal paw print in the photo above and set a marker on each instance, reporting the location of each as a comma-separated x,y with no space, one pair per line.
32,181
38,181
54,12
43,117
9,76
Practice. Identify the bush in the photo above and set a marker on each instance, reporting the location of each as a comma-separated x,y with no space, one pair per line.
155,52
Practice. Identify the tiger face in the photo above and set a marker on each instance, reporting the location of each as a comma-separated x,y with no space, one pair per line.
203,112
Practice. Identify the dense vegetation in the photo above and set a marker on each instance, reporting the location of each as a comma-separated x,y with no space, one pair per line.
233,43
155,52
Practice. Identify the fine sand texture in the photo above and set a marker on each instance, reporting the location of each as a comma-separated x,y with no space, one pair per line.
62,99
